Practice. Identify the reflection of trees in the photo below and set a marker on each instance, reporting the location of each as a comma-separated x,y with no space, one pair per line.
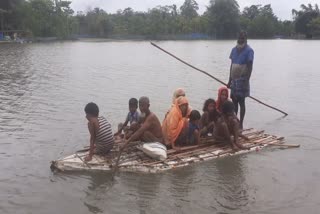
15,70
102,187
227,192
181,181
99,185
232,188
15,83
147,187
147,191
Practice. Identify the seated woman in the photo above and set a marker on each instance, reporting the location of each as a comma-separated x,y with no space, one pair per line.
223,96
227,126
179,92
175,124
209,117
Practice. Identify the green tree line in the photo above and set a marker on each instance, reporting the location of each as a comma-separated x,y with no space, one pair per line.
222,19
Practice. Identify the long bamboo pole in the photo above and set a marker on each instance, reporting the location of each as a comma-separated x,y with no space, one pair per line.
206,73
116,165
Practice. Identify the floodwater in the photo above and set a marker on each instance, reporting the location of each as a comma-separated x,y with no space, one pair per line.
43,91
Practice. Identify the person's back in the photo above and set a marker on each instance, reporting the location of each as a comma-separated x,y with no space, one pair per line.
155,125
104,138
101,137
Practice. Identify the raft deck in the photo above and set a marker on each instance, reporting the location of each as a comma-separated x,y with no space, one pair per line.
134,160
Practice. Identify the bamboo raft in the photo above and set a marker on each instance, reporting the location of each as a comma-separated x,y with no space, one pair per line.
134,160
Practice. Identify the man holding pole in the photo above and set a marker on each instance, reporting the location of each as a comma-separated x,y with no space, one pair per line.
240,72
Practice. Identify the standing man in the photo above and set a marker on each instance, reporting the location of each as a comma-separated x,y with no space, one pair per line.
240,72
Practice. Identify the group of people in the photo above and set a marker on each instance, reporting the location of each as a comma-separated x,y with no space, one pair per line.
182,126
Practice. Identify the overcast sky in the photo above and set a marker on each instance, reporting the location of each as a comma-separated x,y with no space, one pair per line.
282,8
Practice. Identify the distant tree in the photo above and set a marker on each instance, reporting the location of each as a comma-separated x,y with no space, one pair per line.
224,18
98,22
285,28
8,14
174,10
259,21
9,5
314,26
162,20
3,14
303,18
127,12
39,15
62,19
251,12
189,9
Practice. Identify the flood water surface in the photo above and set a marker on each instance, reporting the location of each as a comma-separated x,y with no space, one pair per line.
43,91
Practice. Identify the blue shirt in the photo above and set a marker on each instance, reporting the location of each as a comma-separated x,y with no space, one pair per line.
242,57
192,128
133,117
240,86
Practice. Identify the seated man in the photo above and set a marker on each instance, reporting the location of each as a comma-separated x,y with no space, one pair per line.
175,124
150,128
228,125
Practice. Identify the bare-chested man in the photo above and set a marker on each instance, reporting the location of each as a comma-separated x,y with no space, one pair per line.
150,129
228,125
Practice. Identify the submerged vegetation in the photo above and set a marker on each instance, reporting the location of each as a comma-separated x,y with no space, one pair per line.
222,19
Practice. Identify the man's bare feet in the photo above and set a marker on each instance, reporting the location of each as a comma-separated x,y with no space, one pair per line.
177,148
234,148
240,146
